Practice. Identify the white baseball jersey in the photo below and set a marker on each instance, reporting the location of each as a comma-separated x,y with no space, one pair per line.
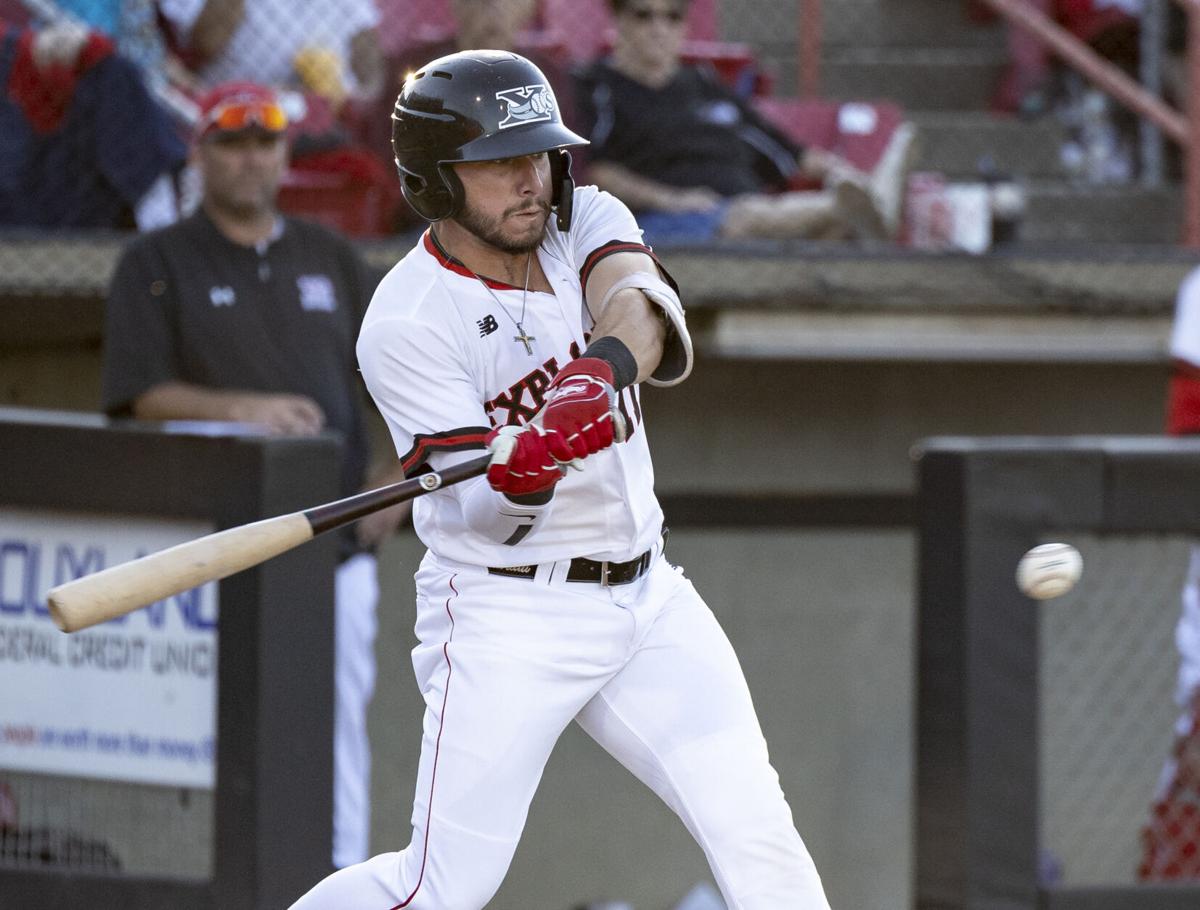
442,357
505,663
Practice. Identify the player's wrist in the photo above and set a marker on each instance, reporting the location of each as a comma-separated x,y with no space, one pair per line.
540,498
616,356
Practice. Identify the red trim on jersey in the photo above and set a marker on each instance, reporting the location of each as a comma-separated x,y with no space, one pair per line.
447,441
1183,399
437,749
449,262
608,249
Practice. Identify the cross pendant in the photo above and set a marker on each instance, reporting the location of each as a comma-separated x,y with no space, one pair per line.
525,339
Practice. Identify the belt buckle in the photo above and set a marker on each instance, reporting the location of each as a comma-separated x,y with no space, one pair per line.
604,574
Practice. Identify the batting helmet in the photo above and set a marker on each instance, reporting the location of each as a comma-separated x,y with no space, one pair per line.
476,106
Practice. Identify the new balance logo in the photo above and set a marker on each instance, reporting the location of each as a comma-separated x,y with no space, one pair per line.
487,325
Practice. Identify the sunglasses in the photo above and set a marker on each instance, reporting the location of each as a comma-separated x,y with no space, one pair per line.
234,115
642,14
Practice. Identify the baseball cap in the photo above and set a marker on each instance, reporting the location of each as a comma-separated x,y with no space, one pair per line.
236,106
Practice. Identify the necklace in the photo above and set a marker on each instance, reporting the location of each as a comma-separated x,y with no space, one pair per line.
523,337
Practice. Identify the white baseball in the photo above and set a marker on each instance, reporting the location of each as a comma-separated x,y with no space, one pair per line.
1049,570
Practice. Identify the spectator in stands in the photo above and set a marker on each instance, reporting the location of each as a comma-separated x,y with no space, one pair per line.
1171,838
237,313
327,47
492,24
82,142
1028,84
695,161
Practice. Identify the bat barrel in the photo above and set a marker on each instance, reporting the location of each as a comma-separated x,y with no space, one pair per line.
131,585
122,589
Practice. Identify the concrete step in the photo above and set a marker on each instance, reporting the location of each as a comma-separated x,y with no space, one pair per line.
955,143
912,23
866,23
1063,213
920,79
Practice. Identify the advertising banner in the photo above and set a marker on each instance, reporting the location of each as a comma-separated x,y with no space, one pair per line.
133,699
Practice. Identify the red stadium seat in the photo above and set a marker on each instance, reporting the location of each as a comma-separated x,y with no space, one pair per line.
858,131
340,200
734,63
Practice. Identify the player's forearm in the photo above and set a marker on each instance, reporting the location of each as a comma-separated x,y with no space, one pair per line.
501,518
638,324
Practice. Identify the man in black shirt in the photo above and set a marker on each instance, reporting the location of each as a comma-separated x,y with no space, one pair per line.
695,161
239,314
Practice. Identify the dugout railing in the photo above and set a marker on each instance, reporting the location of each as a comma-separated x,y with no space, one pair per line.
992,705
259,833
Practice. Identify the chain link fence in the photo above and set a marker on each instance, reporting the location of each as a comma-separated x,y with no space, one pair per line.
1012,145
67,824
1013,151
1108,668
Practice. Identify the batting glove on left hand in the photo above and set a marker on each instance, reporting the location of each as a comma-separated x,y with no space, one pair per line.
581,407
522,460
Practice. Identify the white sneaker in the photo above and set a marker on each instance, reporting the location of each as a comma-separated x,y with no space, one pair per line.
891,173
857,208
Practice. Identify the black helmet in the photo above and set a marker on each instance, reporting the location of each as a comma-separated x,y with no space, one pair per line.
476,106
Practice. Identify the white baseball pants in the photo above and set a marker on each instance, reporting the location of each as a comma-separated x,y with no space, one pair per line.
505,664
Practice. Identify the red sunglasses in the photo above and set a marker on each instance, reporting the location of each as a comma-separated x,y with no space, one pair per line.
235,114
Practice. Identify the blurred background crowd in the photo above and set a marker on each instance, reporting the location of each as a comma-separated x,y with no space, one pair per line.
905,217
1000,140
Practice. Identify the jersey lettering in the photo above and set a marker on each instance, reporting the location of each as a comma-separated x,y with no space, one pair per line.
534,384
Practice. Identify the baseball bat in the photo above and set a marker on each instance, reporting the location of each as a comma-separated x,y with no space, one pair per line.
132,585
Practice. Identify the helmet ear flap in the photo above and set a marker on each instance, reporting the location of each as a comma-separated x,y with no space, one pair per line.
456,196
433,200
563,195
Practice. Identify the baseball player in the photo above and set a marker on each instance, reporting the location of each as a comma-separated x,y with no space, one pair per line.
522,322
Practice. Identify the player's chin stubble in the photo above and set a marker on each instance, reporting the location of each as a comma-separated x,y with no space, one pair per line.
491,230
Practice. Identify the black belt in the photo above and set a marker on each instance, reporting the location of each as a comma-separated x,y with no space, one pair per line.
590,570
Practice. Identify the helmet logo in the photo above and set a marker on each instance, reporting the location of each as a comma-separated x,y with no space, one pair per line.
528,104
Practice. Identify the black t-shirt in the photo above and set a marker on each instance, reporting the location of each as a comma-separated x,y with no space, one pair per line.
692,132
187,304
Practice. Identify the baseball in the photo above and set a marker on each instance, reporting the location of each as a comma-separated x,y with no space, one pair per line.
1049,570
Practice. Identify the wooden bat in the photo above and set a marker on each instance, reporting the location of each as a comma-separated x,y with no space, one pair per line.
132,585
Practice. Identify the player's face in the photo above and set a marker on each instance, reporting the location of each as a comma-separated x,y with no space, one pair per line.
507,201
242,170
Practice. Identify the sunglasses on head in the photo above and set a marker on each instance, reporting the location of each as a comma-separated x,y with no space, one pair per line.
642,14
235,115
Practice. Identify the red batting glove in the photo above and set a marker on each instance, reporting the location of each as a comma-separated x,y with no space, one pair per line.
581,408
522,462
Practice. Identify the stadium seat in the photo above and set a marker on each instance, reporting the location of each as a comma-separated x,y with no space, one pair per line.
341,193
858,131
